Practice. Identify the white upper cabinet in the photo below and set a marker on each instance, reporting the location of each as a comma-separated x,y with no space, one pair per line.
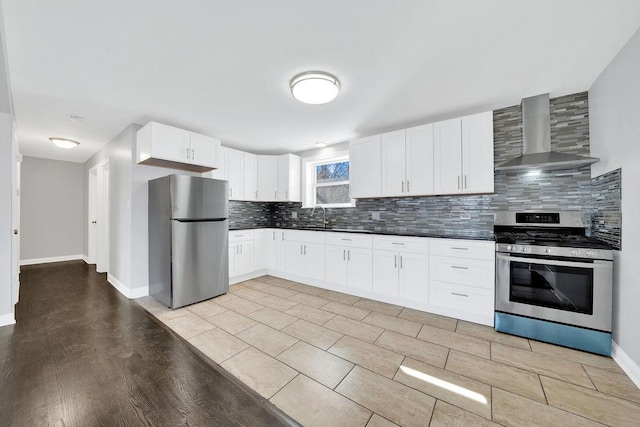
168,146
407,162
250,177
289,178
235,174
463,151
477,153
365,167
267,178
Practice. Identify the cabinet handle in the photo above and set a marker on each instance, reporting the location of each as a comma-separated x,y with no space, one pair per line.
275,194
459,295
458,182
286,194
399,244
408,186
240,248
465,182
348,255
300,249
231,192
395,261
237,249
193,154
346,240
459,249
457,267
400,261
274,235
403,186
344,255
283,236
305,249
187,153
256,194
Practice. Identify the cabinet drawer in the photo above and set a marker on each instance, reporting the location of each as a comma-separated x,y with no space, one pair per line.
403,244
305,236
470,272
473,249
462,298
350,240
240,235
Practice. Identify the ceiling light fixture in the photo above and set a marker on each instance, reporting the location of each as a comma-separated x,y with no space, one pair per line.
315,87
321,144
75,118
64,142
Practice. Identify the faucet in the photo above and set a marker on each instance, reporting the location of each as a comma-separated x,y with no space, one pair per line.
324,214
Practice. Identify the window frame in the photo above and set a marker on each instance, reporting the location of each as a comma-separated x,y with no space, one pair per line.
309,179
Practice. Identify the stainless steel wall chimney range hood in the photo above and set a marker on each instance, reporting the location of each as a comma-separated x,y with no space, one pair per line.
536,141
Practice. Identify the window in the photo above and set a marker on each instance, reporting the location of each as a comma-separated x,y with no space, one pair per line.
327,181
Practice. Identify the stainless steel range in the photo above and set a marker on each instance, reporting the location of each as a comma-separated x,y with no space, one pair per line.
553,283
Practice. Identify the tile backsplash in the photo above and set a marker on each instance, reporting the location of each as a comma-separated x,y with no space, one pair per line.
606,217
467,215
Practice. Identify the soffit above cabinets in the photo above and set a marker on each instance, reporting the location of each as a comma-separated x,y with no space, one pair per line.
222,69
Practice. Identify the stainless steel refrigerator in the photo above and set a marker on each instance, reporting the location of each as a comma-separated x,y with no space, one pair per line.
188,239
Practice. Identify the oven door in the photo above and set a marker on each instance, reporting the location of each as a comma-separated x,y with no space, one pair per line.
570,292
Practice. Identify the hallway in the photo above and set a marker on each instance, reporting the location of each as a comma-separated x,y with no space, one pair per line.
82,354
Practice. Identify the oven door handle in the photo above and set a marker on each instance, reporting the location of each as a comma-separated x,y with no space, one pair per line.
596,264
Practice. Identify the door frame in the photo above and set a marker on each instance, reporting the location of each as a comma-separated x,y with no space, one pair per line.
98,216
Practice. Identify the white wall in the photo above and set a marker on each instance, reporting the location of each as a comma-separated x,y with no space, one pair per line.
614,117
52,205
118,151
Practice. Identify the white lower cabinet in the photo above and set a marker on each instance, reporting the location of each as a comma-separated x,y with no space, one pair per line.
305,254
349,261
401,267
271,249
260,238
241,252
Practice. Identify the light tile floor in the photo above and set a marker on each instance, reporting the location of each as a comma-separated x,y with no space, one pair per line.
327,358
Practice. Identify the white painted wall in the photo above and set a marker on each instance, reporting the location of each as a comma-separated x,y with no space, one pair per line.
52,204
614,117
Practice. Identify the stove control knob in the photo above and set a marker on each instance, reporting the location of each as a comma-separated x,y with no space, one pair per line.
524,249
508,248
589,253
548,251
573,252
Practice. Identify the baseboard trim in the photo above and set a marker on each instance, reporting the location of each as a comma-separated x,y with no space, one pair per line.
34,261
130,293
627,364
7,319
237,279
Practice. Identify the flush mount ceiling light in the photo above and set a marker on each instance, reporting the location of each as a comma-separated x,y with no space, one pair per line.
64,142
321,144
315,87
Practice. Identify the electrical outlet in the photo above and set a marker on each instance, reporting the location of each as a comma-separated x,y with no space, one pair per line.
294,215
375,215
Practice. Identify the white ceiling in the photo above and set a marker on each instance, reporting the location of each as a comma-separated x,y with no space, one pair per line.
222,67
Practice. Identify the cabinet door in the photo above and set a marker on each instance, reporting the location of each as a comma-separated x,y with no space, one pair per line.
223,165
235,162
447,152
245,258
233,262
295,258
393,163
419,160
204,150
314,260
267,177
364,167
169,143
385,273
249,177
289,178
360,268
260,248
414,277
477,153
282,250
272,250
336,270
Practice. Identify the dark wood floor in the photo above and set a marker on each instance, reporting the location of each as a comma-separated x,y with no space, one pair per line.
82,354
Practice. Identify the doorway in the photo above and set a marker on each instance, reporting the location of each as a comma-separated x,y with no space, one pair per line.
98,216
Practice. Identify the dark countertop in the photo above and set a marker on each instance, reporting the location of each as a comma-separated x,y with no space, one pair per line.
438,235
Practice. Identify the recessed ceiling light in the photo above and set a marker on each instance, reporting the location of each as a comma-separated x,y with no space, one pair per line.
75,118
321,144
64,142
315,87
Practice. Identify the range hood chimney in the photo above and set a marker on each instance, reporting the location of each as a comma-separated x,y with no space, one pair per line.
536,141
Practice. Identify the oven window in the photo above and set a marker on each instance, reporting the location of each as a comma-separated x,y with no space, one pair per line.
563,288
